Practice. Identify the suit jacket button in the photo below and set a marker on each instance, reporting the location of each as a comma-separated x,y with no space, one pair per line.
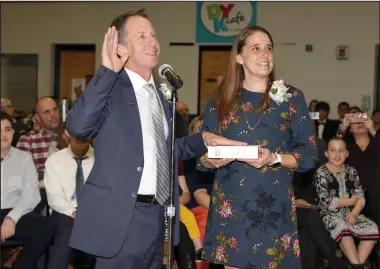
139,169
133,194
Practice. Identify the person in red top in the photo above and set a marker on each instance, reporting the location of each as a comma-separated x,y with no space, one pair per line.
38,141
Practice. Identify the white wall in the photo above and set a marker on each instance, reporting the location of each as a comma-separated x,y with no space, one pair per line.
34,27
19,81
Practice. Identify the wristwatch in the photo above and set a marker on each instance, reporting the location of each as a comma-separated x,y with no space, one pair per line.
278,160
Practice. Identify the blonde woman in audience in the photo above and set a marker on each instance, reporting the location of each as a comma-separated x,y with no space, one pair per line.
196,125
341,197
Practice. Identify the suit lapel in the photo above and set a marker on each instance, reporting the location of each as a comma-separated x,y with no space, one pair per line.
131,108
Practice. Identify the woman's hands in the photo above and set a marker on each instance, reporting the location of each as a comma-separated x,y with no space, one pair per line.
266,157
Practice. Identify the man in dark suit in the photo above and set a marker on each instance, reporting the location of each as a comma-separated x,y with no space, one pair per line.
325,128
120,215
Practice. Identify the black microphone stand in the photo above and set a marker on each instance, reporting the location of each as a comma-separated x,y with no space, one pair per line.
171,206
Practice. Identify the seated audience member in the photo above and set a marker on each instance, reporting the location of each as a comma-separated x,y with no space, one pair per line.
365,158
181,119
183,110
65,174
324,127
341,198
343,109
312,105
364,149
184,254
38,141
182,126
200,186
18,127
344,130
186,216
20,194
315,241
199,183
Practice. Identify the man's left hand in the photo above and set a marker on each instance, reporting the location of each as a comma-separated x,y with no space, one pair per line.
216,140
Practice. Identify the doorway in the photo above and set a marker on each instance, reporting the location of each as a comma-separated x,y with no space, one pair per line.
213,65
377,78
74,66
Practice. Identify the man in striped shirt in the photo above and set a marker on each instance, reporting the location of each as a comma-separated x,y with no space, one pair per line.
38,141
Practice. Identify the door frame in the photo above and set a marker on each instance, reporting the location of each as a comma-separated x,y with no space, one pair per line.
376,98
58,48
202,49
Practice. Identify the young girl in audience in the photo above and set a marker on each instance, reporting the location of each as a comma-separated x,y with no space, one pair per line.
341,197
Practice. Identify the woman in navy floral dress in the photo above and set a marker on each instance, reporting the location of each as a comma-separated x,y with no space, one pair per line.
252,219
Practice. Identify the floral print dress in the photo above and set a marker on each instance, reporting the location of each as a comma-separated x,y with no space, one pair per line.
252,218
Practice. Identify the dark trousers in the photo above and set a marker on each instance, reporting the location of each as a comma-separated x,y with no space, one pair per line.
315,241
60,252
35,231
184,253
143,247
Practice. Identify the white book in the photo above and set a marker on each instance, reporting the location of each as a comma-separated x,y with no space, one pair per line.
233,152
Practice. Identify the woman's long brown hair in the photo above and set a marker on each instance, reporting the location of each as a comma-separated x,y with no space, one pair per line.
225,96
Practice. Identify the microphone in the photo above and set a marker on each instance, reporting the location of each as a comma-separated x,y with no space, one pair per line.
166,71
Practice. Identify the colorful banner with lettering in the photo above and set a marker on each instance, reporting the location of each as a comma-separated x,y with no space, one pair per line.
220,22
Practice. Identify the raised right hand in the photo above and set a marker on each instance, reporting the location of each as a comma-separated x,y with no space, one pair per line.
110,59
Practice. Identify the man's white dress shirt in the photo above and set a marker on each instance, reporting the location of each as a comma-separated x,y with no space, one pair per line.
60,179
149,174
